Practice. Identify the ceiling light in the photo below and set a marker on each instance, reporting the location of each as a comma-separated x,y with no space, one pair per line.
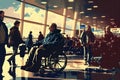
82,12
95,6
101,21
43,2
86,16
55,6
69,7
111,19
94,17
103,16
70,0
90,1
89,9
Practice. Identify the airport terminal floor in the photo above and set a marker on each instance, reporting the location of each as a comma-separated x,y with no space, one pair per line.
75,70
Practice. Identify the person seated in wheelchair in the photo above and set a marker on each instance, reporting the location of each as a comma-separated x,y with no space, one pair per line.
52,42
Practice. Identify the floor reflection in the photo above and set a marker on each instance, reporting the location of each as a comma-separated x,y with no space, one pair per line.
72,72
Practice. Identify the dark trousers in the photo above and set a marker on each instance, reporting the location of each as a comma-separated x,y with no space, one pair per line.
12,58
88,53
36,54
2,57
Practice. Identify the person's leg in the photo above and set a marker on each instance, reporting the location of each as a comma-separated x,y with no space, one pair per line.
37,60
12,58
31,55
30,58
2,58
15,48
85,54
90,54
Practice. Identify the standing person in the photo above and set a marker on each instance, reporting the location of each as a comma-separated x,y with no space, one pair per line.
15,40
40,37
3,40
29,42
87,39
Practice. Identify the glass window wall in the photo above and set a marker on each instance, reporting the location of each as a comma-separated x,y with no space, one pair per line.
33,13
12,8
55,18
35,28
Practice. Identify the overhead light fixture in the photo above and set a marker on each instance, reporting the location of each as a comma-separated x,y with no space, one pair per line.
43,2
90,2
103,16
70,0
82,12
111,19
95,6
94,17
87,16
101,21
55,6
69,7
88,22
89,9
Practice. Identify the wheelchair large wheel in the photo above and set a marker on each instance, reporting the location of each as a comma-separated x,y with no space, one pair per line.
57,62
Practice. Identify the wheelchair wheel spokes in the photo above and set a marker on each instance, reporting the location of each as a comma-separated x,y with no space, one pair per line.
58,63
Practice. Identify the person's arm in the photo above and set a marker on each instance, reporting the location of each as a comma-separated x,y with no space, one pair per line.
56,40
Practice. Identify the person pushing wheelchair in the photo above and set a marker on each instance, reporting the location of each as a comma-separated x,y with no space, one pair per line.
53,41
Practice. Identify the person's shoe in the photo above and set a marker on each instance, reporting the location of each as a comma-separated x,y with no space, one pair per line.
25,66
32,68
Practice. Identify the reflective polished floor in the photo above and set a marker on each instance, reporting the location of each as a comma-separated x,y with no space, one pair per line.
75,70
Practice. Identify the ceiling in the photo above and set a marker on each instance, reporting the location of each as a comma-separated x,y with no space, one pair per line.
108,8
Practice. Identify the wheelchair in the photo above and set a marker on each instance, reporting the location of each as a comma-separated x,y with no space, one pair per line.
55,61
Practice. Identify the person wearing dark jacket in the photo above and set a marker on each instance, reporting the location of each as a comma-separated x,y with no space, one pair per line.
40,37
14,40
3,40
53,41
29,42
87,39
